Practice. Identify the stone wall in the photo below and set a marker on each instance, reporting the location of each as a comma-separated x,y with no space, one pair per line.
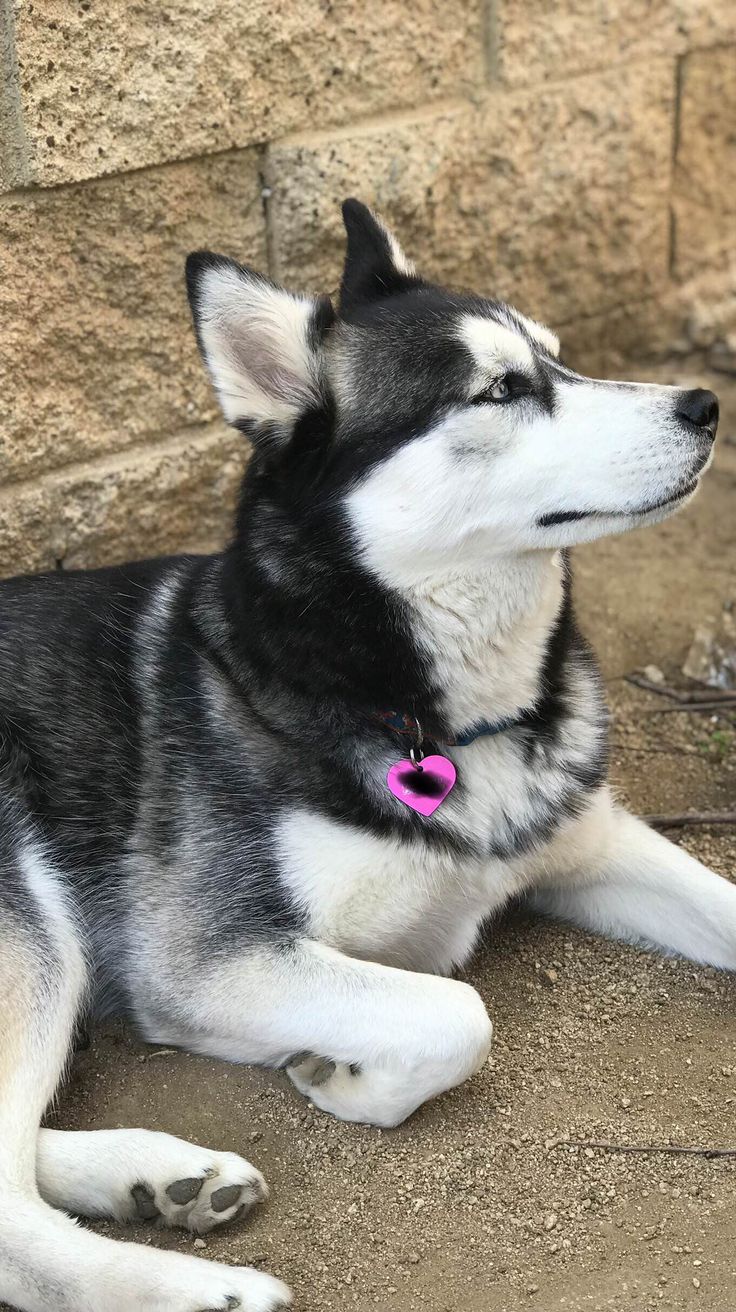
576,156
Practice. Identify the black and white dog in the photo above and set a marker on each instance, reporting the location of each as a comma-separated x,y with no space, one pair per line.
263,801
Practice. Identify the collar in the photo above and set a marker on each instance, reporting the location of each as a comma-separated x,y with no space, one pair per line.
407,724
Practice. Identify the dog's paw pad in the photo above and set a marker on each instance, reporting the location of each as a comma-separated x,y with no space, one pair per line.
316,1072
184,1191
228,1191
144,1202
323,1072
310,1071
225,1197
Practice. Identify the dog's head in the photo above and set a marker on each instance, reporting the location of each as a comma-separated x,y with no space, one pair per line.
445,422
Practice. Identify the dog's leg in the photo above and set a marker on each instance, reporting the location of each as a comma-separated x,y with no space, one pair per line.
629,882
364,1041
47,1263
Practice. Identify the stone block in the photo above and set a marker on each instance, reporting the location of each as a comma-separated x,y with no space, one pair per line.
556,39
705,161
555,198
96,345
180,495
110,87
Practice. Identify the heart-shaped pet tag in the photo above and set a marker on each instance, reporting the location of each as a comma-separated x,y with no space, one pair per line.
422,789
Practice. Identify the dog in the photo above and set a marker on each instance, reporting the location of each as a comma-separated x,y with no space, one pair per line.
262,802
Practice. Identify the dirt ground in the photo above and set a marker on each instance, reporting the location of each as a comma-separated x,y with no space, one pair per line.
481,1202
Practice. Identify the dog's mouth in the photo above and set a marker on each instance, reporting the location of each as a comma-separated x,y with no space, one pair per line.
570,516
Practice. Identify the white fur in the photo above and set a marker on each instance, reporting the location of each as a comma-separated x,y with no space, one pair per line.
495,347
485,634
624,446
60,916
255,343
414,905
33,1049
628,882
548,340
398,258
402,904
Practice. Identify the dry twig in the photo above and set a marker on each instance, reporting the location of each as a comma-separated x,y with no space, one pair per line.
652,751
687,708
690,818
646,1148
690,697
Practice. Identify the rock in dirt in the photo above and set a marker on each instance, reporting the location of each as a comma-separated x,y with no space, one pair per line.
712,656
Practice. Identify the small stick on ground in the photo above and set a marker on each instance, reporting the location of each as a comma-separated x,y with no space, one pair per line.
690,818
651,751
689,697
689,708
646,1148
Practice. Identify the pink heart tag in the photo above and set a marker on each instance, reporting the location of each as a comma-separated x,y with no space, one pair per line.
426,789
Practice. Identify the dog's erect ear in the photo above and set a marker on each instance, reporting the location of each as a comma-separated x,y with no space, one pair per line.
375,265
261,344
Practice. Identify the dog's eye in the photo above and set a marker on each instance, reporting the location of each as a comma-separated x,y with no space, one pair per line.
501,389
510,387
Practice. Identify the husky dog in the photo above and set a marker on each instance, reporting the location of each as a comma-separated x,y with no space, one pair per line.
263,801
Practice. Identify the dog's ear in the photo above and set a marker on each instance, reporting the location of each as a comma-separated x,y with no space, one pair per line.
262,346
375,265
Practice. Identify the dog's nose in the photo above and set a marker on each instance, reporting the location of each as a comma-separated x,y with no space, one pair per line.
700,408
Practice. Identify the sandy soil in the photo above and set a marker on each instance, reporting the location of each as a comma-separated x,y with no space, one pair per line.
481,1202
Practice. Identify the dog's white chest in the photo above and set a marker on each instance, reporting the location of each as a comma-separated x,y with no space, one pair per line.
406,903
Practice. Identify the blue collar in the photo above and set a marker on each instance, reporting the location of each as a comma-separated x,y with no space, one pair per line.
488,729
406,724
